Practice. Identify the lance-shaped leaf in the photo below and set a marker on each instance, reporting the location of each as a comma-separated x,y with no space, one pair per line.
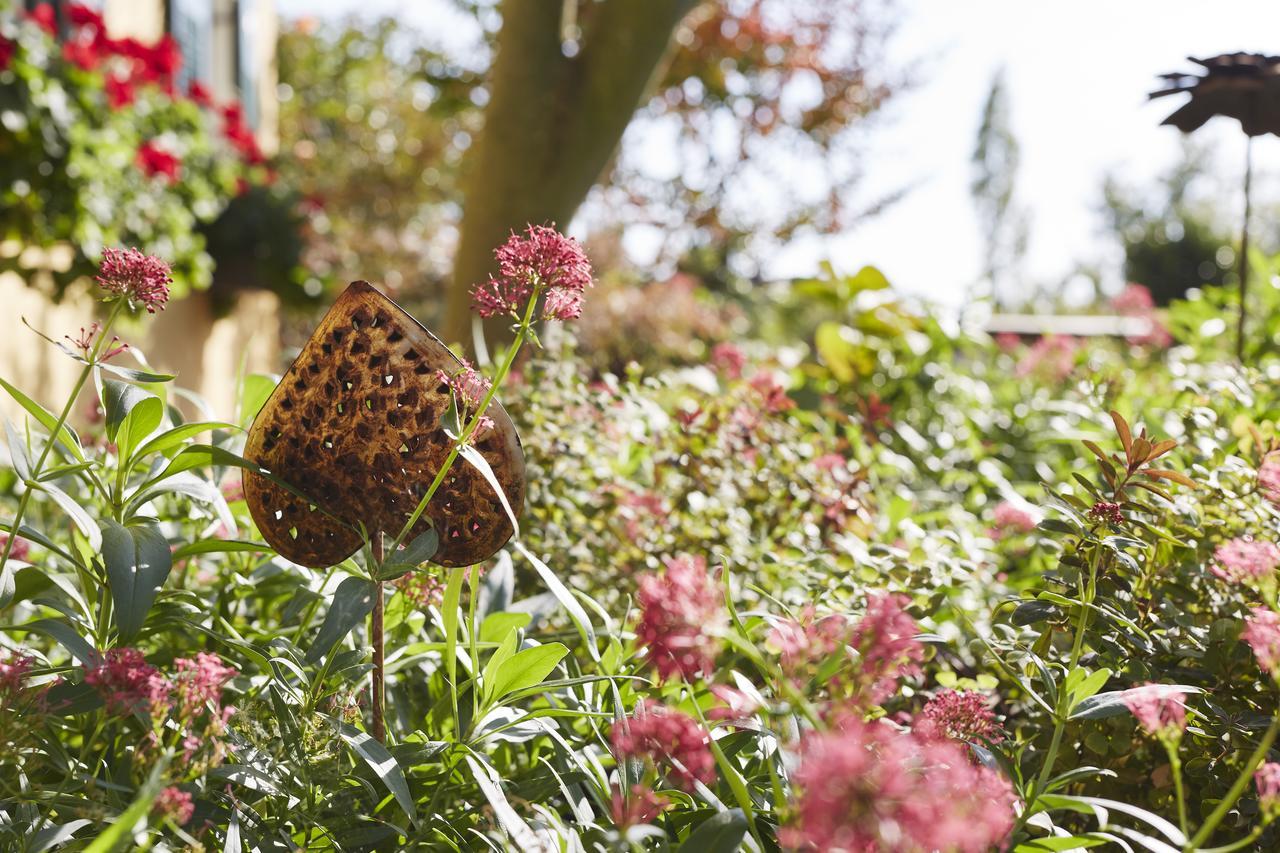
356,426
138,562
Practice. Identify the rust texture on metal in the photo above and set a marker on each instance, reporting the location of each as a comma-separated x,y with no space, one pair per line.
355,425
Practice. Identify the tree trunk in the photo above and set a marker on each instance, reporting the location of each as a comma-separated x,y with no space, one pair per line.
552,123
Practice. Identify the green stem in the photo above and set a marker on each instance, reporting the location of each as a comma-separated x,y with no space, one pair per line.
1237,788
1175,765
472,648
522,334
38,468
1087,592
1238,845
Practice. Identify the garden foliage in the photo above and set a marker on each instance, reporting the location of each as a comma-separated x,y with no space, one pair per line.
859,581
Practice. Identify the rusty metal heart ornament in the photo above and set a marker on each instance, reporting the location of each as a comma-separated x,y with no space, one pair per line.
356,425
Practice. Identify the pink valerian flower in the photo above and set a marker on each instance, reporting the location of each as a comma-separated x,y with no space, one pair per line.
421,589
673,742
681,617
1245,560
1267,780
641,806
174,804
962,715
865,786
1053,356
886,641
198,684
1269,477
126,682
1008,518
140,278
1107,512
738,708
542,257
84,342
469,386
1262,633
21,549
1008,341
805,643
14,671
728,359
1135,301
1159,708
232,488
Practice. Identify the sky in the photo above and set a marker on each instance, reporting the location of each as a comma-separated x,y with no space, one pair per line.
1077,76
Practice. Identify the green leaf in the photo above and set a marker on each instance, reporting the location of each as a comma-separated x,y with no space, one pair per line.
352,601
1111,704
79,515
142,420
170,439
566,599
254,392
723,832
17,451
420,550
120,833
497,625
120,398
505,651
138,562
382,764
68,637
219,546
1090,685
519,832
527,668
52,836
135,375
66,435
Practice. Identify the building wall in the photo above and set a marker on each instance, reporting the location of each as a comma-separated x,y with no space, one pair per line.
208,353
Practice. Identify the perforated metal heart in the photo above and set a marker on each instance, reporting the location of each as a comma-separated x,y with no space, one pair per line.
355,426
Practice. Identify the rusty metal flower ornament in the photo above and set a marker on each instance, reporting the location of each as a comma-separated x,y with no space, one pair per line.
357,425
1243,86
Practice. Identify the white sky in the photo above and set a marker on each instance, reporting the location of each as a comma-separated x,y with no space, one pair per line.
1077,76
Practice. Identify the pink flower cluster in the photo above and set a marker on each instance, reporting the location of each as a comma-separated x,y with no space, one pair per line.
468,385
21,548
642,805
866,786
728,359
1245,560
886,642
422,589
671,741
1262,633
1269,477
1267,780
174,804
1160,709
961,715
127,683
1008,518
1135,301
1053,356
681,616
14,671
137,277
542,258
885,639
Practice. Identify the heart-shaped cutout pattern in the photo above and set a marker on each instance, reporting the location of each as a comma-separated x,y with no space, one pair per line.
356,426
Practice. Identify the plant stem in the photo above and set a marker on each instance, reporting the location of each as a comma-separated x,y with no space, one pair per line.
376,636
54,437
1238,845
1237,788
522,334
1175,765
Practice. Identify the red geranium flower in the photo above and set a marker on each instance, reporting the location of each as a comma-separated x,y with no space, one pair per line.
44,17
7,50
199,93
120,91
153,160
